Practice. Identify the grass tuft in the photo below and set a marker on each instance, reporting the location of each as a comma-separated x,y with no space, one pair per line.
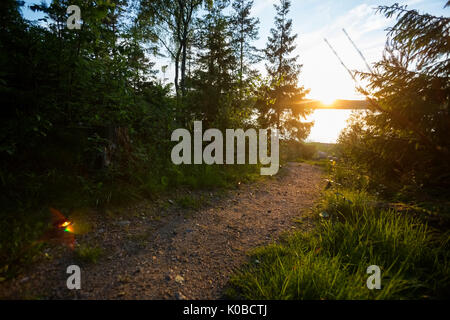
88,254
331,261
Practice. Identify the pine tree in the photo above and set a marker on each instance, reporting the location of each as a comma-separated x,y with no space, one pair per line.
280,100
245,30
214,78
403,142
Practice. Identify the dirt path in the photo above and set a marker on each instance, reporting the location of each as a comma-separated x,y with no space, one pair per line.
176,256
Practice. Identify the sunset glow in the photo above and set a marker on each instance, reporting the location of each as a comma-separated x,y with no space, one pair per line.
327,101
328,124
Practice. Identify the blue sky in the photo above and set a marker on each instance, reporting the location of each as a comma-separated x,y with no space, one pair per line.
314,20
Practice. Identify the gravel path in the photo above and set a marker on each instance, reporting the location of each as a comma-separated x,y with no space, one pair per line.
165,252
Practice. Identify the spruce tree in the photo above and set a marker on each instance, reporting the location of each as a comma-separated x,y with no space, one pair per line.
214,79
280,102
245,31
402,143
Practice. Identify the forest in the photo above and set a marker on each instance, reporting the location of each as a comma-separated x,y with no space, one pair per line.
88,114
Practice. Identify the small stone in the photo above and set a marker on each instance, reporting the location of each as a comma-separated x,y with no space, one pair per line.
24,280
179,279
180,296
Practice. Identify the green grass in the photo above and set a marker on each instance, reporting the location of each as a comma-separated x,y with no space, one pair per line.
88,254
320,163
330,262
191,202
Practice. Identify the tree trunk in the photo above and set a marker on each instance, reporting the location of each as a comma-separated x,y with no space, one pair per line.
183,66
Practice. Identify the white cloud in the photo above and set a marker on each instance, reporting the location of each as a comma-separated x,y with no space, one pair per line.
322,71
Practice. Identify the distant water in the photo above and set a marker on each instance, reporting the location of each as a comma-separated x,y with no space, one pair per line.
328,124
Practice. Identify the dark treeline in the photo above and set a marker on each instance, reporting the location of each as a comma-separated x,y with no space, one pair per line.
87,99
86,119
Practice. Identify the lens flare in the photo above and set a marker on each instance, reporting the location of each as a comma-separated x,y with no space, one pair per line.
69,228
62,230
65,224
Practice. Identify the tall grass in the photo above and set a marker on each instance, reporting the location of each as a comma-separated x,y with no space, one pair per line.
330,262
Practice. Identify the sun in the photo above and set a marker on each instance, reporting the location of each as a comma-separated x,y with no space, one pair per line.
326,97
327,101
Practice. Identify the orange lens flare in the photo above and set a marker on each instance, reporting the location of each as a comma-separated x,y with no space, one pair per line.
65,224
69,228
62,223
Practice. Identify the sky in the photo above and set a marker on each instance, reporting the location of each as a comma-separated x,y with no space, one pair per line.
314,20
